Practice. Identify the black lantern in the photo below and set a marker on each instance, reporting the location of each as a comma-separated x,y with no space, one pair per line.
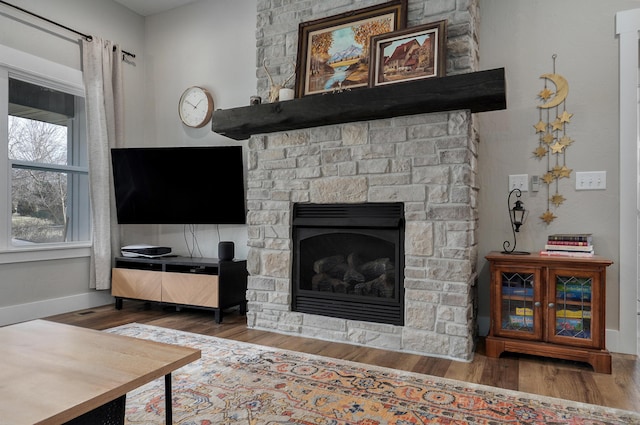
517,216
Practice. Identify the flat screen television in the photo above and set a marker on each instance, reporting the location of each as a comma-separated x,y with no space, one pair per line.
179,185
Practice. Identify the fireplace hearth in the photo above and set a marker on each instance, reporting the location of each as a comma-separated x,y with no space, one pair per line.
348,261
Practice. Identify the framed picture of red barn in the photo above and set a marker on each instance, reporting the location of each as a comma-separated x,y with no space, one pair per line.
333,52
409,54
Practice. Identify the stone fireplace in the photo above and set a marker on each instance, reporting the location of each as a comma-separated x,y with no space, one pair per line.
426,163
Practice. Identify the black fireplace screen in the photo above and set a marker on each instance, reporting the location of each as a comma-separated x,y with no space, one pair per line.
349,261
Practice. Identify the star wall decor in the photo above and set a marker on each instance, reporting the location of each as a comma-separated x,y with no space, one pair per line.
541,126
548,138
557,199
548,217
545,93
557,125
565,140
557,147
548,178
556,171
540,152
565,172
553,141
565,117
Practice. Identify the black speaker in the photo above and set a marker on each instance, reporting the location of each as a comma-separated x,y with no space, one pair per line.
226,250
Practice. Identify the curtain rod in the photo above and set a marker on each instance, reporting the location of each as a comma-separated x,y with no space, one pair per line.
85,36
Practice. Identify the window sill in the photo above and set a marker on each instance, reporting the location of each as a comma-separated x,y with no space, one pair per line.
45,253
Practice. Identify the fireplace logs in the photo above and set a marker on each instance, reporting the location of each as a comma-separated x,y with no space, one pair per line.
349,276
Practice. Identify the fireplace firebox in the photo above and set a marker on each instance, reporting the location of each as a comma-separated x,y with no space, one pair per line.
348,261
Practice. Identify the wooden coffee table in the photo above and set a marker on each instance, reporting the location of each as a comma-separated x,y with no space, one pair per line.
51,373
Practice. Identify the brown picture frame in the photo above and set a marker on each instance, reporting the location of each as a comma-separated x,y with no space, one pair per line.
410,54
332,54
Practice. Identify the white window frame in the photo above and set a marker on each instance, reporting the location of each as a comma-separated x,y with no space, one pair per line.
628,31
35,70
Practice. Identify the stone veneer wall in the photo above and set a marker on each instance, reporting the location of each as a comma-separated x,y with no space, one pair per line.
427,161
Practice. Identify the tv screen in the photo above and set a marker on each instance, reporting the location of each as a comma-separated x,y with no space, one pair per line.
179,185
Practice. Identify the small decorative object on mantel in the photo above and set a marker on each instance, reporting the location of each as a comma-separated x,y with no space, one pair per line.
553,139
274,89
517,216
255,100
286,94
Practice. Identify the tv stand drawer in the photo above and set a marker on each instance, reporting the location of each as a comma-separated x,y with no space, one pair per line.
190,289
139,284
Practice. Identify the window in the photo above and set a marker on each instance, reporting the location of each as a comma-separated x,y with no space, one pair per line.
42,97
49,175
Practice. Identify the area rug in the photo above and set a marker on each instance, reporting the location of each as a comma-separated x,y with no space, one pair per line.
241,383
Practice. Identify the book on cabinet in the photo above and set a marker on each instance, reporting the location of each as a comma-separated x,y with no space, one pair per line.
571,237
582,248
569,244
566,253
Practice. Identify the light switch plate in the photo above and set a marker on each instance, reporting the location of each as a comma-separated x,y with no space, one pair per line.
591,180
519,181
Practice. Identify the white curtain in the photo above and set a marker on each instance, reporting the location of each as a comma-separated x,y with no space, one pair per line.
102,73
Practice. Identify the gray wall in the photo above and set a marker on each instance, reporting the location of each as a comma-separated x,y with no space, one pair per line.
209,43
188,46
522,36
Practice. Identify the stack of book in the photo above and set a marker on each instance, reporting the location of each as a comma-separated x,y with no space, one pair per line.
569,245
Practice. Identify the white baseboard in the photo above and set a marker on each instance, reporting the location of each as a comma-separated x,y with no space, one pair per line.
612,336
39,309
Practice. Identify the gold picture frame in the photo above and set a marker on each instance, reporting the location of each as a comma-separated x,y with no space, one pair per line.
333,52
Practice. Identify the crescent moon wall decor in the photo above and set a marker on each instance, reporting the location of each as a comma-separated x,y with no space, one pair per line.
562,90
552,137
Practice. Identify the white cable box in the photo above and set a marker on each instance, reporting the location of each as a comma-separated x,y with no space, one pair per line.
143,250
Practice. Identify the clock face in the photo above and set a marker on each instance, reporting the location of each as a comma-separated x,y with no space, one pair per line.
195,107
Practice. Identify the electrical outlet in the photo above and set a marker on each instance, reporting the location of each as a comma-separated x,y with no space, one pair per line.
519,181
591,180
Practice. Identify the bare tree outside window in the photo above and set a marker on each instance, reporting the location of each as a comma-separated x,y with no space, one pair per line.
39,194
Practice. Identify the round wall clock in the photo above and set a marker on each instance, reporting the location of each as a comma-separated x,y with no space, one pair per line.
195,107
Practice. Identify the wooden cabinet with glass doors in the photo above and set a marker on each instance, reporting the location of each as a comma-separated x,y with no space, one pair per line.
549,306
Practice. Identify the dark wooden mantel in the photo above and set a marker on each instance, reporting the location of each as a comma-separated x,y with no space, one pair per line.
476,91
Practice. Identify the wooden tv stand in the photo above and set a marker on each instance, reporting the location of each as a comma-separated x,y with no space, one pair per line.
206,283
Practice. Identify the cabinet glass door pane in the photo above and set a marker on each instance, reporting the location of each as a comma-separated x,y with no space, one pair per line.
573,306
517,302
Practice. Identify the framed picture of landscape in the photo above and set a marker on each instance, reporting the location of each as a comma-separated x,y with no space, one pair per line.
333,52
409,54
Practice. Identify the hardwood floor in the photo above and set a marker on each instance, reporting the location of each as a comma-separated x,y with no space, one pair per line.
556,378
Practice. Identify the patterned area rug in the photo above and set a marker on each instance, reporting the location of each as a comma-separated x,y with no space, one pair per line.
240,383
